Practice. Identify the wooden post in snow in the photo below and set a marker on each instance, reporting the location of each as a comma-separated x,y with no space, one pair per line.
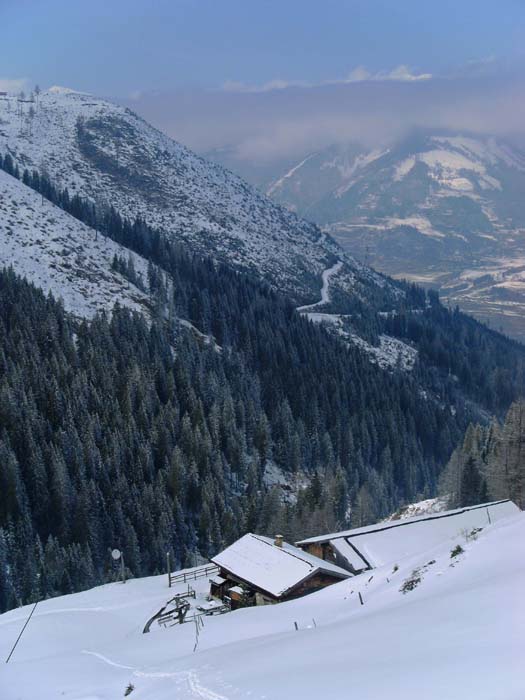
21,632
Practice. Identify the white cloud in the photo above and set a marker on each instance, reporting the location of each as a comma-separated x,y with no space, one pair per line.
13,84
372,109
401,73
358,75
276,84
483,61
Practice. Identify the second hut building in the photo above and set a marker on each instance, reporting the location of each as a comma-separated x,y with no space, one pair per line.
257,570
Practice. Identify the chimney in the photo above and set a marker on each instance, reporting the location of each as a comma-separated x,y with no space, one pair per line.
278,542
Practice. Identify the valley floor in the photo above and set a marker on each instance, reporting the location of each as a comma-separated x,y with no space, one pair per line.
458,634
490,287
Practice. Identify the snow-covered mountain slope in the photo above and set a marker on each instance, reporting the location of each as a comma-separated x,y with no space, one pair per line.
442,209
446,622
107,153
60,254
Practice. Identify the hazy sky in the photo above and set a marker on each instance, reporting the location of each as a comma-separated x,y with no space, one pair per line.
122,46
302,65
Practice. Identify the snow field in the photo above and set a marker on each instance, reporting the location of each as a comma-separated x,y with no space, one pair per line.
458,634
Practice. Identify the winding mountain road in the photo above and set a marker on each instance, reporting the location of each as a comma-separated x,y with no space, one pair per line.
325,289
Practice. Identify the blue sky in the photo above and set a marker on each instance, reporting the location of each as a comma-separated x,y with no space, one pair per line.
273,78
120,47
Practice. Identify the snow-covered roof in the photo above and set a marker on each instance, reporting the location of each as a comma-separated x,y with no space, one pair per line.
351,554
258,561
390,541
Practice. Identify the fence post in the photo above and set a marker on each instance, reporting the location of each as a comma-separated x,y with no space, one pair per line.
168,563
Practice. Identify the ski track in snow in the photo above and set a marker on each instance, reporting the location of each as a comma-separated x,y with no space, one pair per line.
189,677
63,611
200,691
106,660
14,620
325,289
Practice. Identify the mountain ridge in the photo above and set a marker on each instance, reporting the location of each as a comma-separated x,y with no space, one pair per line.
108,154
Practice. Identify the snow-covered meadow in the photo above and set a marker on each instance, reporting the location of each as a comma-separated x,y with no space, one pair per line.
456,633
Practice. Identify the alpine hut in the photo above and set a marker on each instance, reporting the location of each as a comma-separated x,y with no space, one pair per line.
368,547
257,570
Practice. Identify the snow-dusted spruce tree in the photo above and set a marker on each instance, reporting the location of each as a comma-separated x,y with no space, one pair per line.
514,452
453,484
494,475
473,487
490,462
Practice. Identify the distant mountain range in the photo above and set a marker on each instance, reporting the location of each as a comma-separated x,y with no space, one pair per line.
443,209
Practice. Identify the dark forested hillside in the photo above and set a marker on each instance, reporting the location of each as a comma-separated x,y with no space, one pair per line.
122,433
460,359
488,368
139,433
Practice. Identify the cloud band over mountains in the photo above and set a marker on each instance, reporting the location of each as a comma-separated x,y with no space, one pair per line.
280,119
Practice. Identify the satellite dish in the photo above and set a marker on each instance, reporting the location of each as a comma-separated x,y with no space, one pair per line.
115,553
